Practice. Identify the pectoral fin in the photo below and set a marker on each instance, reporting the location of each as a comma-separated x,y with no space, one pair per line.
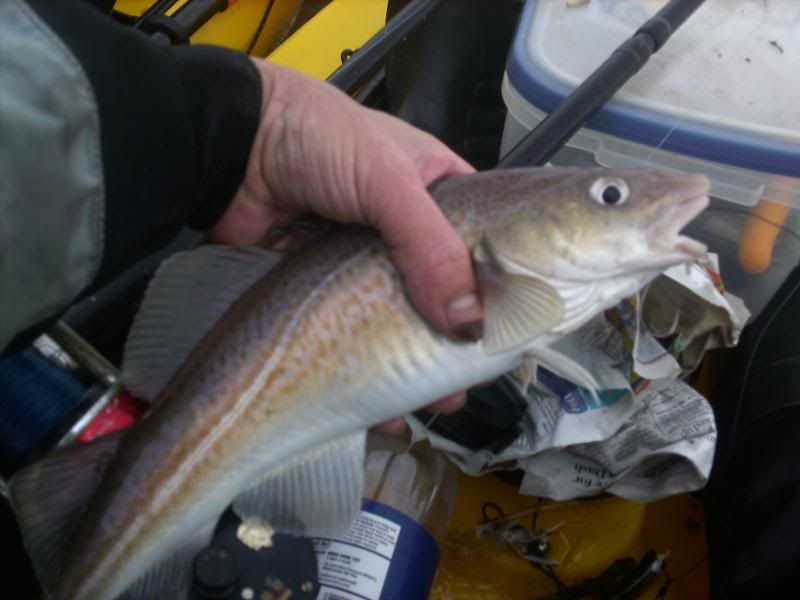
315,494
518,307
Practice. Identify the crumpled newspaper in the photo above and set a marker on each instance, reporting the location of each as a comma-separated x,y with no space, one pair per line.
646,434
665,446
690,306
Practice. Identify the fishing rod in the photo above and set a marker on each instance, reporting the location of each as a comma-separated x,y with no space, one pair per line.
549,136
365,61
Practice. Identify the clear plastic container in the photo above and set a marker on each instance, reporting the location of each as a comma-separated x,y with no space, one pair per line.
418,481
391,552
720,99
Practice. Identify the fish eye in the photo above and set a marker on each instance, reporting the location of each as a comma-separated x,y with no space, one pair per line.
609,191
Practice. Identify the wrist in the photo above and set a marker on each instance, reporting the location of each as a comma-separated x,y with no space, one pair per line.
251,213
270,126
273,90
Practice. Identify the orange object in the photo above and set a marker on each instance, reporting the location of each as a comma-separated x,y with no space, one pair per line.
759,234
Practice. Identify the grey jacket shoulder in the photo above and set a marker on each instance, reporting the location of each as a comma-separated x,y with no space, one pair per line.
52,197
109,145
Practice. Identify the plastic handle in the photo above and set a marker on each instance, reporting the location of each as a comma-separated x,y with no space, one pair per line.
758,237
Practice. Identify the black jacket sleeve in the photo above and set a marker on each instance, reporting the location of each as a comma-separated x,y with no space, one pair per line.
176,128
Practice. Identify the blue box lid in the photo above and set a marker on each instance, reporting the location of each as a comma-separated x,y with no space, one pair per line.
725,88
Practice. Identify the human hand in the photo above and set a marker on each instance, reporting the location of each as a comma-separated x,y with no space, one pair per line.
319,152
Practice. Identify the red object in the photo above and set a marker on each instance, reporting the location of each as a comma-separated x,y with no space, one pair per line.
123,410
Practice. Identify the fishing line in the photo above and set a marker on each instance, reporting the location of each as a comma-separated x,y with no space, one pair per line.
427,425
690,571
501,517
681,119
664,589
641,296
664,139
432,419
744,211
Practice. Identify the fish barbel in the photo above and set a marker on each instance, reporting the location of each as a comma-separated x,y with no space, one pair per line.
266,406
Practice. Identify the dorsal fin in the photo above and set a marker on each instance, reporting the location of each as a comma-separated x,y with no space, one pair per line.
186,297
49,498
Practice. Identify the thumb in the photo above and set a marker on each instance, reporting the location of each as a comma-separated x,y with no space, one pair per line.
433,260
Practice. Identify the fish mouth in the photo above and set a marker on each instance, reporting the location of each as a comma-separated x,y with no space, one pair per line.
687,203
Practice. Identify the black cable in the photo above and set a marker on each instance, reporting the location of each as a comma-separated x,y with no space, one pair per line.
260,28
493,506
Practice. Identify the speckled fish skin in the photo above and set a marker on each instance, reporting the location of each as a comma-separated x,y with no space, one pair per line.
327,344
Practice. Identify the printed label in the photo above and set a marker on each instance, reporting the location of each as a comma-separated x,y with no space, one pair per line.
385,556
355,567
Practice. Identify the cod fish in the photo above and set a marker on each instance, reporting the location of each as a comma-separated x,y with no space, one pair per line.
264,374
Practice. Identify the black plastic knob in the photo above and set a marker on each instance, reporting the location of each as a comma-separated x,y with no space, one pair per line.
215,573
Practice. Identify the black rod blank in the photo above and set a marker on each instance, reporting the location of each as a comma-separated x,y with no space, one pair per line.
371,56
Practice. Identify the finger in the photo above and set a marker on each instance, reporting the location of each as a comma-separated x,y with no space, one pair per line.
449,404
432,158
441,163
432,258
393,427
246,220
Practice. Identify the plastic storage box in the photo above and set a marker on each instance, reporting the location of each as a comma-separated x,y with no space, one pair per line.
721,98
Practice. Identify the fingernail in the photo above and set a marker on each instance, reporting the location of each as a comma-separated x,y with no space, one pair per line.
465,316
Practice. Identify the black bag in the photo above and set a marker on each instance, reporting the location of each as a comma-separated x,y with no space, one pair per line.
753,499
